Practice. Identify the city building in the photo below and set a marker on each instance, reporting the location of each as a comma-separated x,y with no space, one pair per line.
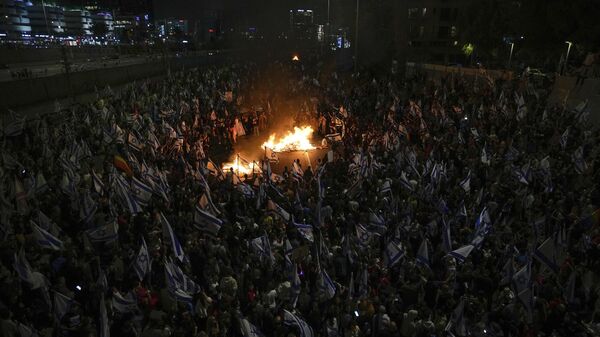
14,20
47,20
302,25
103,19
433,29
78,22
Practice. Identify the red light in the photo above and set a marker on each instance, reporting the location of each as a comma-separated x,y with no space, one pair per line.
210,30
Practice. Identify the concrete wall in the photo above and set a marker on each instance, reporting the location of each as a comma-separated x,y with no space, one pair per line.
565,89
36,90
436,71
15,55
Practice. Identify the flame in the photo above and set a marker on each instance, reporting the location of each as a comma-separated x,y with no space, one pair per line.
240,167
295,58
297,141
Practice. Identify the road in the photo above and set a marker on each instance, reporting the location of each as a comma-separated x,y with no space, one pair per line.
54,68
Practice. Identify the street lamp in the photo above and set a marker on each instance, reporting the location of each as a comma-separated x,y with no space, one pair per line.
512,46
567,58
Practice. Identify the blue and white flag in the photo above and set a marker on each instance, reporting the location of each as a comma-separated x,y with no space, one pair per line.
104,324
484,157
293,320
377,222
141,264
273,207
465,184
393,253
45,239
206,222
179,284
170,236
327,285
46,223
127,198
462,210
98,184
423,254
297,172
124,304
26,331
462,253
88,208
386,187
363,286
134,142
249,329
305,230
141,191
107,233
363,235
263,247
508,271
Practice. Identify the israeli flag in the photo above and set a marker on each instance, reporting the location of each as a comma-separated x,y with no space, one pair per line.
377,222
88,209
141,191
124,304
206,222
327,285
550,254
457,320
404,182
386,187
293,320
142,261
305,230
46,223
462,253
484,157
363,235
129,199
45,239
61,305
393,253
107,233
134,142
363,287
263,247
273,207
446,240
171,237
423,254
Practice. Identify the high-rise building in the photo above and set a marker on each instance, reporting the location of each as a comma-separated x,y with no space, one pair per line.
46,19
78,22
433,29
106,19
14,20
302,25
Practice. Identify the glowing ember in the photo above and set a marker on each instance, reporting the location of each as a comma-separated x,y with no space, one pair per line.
241,167
297,141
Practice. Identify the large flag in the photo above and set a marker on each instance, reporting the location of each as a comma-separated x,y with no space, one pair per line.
393,253
462,253
293,320
273,207
170,236
124,304
142,261
206,222
107,233
249,329
45,239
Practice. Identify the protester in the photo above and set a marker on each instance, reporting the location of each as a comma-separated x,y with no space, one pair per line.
463,206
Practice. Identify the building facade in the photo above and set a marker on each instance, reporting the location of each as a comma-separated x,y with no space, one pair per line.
78,22
46,20
433,30
14,20
105,19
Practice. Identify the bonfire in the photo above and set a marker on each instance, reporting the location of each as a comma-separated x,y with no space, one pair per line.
299,140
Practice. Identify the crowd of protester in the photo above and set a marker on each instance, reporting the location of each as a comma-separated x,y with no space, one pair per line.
455,206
